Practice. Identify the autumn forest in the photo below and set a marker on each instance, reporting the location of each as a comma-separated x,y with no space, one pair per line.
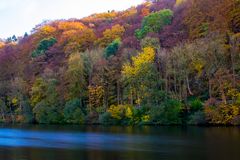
164,62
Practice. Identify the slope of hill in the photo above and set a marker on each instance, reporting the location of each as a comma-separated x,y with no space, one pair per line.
162,62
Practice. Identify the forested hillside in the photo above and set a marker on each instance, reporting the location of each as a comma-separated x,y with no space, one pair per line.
163,62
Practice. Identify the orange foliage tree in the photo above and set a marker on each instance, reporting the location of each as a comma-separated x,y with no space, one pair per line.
1,44
78,40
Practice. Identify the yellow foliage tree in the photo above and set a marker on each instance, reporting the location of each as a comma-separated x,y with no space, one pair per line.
95,95
130,12
106,15
116,112
101,16
46,31
109,35
147,56
179,2
140,75
121,111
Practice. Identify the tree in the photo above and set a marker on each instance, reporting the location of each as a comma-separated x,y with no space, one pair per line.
3,110
76,78
43,46
78,40
109,35
107,74
141,76
145,12
38,91
1,44
73,113
234,16
48,109
154,22
95,97
112,48
20,104
12,39
179,2
25,35
70,25
44,31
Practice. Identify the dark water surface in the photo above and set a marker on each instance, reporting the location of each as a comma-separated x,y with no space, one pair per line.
118,143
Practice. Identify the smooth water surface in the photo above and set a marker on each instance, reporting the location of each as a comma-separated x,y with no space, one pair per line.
118,143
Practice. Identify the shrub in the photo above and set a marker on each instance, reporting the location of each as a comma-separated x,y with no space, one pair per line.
197,118
117,112
223,114
166,114
196,105
125,114
140,115
46,114
24,113
105,118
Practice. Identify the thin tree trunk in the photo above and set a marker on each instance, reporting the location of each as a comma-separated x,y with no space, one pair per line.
209,88
131,96
118,93
224,99
188,86
3,114
232,51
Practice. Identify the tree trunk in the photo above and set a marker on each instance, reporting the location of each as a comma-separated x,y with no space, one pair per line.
188,86
209,88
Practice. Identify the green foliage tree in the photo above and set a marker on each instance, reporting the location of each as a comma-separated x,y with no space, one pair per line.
197,118
112,48
38,91
154,22
48,109
73,113
43,46
76,77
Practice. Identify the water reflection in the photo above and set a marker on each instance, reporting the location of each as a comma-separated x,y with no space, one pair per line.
123,143
96,141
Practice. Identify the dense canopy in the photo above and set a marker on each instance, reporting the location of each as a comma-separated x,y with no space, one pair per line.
163,62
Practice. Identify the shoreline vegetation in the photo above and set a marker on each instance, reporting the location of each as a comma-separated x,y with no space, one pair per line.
164,62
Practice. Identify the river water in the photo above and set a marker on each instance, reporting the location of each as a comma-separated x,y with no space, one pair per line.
49,142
